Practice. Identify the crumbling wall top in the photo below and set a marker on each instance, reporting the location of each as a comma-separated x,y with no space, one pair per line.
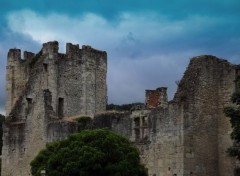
70,48
209,59
28,55
14,54
156,98
50,47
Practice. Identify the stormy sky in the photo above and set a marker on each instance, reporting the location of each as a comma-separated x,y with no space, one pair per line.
149,43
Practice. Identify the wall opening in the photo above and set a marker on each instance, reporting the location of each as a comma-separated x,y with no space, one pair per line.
60,107
45,74
137,122
237,171
45,67
29,104
137,128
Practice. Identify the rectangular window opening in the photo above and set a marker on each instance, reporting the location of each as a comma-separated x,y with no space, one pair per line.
29,104
137,122
45,67
60,107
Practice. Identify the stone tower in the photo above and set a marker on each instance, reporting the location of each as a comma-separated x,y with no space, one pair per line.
43,91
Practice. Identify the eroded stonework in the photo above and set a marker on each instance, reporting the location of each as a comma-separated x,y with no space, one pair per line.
43,90
187,136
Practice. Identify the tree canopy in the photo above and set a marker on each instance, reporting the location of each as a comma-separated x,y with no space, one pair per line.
233,113
98,152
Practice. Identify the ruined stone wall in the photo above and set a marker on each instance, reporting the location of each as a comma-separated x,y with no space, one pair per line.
190,135
157,135
161,140
82,80
185,137
203,92
43,90
17,76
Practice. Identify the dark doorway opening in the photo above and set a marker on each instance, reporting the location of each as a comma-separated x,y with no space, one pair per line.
60,107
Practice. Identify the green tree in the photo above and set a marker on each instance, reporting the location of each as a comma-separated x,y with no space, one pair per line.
233,113
99,152
84,123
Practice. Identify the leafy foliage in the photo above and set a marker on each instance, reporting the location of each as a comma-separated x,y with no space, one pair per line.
234,114
84,123
2,119
99,152
35,59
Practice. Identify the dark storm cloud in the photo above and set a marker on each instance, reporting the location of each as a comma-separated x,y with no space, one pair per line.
148,44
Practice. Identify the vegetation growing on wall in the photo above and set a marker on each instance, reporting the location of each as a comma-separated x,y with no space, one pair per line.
35,58
2,118
99,152
84,123
233,113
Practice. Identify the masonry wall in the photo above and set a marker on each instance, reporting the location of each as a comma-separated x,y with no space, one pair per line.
203,92
161,141
43,91
185,137
190,135
156,98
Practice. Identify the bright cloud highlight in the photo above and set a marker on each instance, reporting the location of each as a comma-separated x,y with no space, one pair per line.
145,50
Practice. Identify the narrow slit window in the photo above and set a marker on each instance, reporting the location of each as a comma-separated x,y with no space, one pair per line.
137,128
29,104
45,67
60,107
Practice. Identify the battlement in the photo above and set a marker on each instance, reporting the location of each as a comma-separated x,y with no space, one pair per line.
14,55
50,50
208,59
70,48
28,55
156,98
50,47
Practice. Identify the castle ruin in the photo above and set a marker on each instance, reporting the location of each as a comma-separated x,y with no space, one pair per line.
42,91
187,136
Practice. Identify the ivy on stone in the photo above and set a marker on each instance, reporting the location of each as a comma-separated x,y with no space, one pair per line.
233,113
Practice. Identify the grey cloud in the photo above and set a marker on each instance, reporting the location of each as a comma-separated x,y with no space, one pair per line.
141,56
